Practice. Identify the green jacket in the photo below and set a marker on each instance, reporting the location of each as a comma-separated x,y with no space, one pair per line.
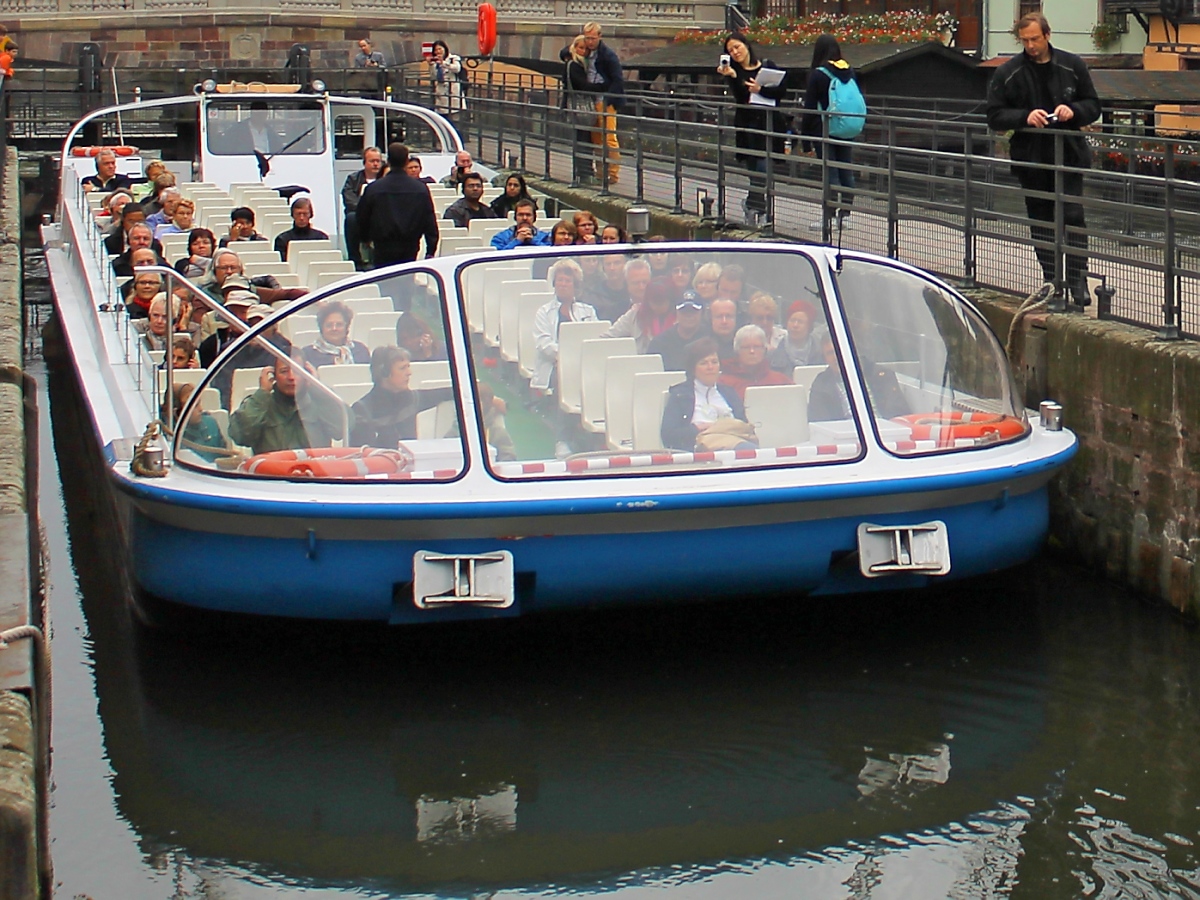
268,421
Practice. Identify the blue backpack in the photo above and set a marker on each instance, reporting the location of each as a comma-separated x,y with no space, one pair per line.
847,108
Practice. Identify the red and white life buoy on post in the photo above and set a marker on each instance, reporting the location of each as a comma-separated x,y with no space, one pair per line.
95,151
487,29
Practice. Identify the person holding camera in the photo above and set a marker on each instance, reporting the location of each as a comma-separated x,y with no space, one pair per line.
463,166
368,57
447,73
1044,95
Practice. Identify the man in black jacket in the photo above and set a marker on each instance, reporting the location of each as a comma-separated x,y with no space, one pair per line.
352,193
604,70
1041,93
394,214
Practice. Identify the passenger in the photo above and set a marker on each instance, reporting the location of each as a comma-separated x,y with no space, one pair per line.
198,262
514,190
701,404
495,431
592,276
732,285
146,286
138,259
469,206
649,319
113,207
800,346
181,221
524,233
185,322
681,272
228,265
106,177
183,353
463,165
689,326
168,199
155,328
722,317
637,279
567,280
610,298
334,347
561,235
301,230
238,301
704,282
387,414
201,434
749,367
586,226
614,234
827,398
152,202
285,414
254,354
414,335
660,260
116,241
414,169
137,237
241,227
764,312
152,169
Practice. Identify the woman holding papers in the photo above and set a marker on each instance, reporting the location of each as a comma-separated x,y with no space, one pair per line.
757,86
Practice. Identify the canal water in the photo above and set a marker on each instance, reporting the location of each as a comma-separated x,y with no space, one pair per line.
1032,735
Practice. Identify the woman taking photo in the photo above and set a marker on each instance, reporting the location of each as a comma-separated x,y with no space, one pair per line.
444,71
754,120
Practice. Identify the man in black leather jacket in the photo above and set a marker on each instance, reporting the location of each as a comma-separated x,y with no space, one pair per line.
1039,94
351,192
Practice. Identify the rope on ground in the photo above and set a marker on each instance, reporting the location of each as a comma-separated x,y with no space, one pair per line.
1035,301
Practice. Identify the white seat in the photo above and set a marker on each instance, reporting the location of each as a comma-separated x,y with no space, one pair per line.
319,244
221,417
274,269
485,228
351,391
259,252
245,382
210,400
300,260
806,375
323,273
649,401
593,372
498,292
526,339
476,279
187,376
367,304
513,311
571,336
437,421
362,324
304,338
618,396
303,321
288,280
381,337
174,246
779,413
452,246
430,373
351,373
364,292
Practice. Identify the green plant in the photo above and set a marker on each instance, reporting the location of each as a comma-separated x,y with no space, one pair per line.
876,28
1105,33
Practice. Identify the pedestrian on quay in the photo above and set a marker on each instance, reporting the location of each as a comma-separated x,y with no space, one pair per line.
581,94
757,87
603,68
368,57
1044,95
827,70
447,73
395,212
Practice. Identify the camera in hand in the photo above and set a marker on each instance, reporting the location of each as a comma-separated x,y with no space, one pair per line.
724,60
1051,119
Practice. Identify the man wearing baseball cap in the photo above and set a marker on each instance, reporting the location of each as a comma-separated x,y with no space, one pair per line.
238,301
689,326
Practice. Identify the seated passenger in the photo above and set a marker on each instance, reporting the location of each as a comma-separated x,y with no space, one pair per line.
138,259
181,221
700,405
155,328
610,298
567,279
827,398
286,414
201,434
168,199
586,226
561,235
251,356
415,336
704,282
514,190
647,320
113,207
413,168
106,177
146,286
137,237
800,346
614,234
749,367
680,266
152,201
387,414
689,326
523,232
469,207
198,262
241,227
722,318
183,353
495,431
301,230
238,302
764,312
732,285
334,347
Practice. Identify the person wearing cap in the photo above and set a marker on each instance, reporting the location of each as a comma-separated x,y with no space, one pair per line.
284,414
254,355
238,301
689,326
749,367
647,320
301,230
241,227
800,346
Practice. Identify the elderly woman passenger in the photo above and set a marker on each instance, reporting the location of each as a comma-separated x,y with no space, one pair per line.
387,414
334,347
764,312
695,406
800,345
567,280
146,285
749,367
155,328
704,282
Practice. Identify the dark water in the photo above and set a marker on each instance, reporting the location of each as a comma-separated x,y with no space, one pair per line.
1034,735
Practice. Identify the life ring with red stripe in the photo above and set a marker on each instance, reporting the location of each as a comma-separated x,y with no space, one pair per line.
330,462
120,150
947,427
487,29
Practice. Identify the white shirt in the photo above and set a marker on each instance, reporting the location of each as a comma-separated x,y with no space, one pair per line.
710,405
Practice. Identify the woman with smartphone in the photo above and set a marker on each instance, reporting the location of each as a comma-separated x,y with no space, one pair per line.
754,120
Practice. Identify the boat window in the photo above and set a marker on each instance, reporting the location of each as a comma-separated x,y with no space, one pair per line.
935,375
241,128
596,356
353,386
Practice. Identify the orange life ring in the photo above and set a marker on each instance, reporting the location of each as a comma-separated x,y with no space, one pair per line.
947,427
329,462
487,29
95,151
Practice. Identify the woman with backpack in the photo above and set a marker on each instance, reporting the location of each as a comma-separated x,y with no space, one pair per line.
828,77
754,121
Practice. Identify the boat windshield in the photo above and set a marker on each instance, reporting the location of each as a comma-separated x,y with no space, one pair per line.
628,361
279,128
345,388
935,375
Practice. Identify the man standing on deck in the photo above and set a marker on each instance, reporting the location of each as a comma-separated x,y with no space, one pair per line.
395,213
1037,94
352,192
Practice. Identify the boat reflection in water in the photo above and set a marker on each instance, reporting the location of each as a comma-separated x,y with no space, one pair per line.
590,751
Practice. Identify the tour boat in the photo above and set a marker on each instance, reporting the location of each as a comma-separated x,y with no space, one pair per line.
900,455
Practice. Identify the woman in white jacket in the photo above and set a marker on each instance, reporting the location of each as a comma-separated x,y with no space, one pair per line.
444,70
567,280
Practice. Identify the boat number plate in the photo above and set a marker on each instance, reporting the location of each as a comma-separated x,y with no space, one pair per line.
463,579
894,549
